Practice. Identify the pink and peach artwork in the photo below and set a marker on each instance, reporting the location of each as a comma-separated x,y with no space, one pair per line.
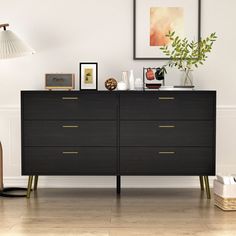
163,20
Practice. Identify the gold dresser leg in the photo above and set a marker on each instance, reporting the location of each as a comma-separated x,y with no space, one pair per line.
36,182
208,191
30,181
201,182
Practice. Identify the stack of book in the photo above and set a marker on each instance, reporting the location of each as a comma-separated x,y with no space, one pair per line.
225,192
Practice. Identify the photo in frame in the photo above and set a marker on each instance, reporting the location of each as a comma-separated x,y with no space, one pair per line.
88,72
153,19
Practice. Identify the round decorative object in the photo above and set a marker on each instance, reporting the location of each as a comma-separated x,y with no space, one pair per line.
111,84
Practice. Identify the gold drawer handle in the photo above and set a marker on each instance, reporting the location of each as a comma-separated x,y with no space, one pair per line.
70,98
70,126
167,126
69,153
166,153
166,98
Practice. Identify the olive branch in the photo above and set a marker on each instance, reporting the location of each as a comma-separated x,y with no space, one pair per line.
185,54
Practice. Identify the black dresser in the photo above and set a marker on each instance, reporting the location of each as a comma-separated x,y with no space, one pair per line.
118,133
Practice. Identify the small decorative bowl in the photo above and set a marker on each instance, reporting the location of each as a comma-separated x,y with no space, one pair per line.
153,86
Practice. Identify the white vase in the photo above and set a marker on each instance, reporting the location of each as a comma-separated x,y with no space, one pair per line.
131,80
122,86
125,78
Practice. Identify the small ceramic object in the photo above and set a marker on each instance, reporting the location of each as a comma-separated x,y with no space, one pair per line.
131,80
150,74
138,84
122,86
110,84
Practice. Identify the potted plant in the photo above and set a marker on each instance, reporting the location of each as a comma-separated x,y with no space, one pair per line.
187,55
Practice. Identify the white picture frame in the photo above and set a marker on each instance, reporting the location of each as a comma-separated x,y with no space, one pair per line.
143,50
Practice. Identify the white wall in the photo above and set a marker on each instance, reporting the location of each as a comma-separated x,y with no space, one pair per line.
66,32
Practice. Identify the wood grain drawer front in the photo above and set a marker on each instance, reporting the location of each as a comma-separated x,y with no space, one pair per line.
69,106
166,161
70,133
69,161
166,133
168,105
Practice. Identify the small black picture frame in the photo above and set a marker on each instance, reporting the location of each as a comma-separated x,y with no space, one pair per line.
88,76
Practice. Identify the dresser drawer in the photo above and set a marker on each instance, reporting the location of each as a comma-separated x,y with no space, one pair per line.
69,105
70,133
166,161
69,161
162,105
166,133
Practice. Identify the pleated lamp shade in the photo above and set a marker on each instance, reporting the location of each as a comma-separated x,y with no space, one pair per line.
12,46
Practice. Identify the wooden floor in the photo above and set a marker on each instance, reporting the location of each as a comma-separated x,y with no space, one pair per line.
90,212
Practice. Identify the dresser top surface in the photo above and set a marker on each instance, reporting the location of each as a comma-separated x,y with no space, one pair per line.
119,92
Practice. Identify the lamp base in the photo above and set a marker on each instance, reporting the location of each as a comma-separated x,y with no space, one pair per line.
7,192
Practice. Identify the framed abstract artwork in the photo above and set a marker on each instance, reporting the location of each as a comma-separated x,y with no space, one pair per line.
153,19
88,75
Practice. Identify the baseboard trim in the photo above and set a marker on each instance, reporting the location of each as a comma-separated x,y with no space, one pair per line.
107,182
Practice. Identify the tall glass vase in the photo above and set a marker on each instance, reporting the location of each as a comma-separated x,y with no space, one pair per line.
187,77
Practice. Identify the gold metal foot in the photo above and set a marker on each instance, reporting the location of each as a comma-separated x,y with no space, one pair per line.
208,191
35,182
30,181
201,182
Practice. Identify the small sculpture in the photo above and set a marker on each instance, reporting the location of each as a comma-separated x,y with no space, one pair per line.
110,84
